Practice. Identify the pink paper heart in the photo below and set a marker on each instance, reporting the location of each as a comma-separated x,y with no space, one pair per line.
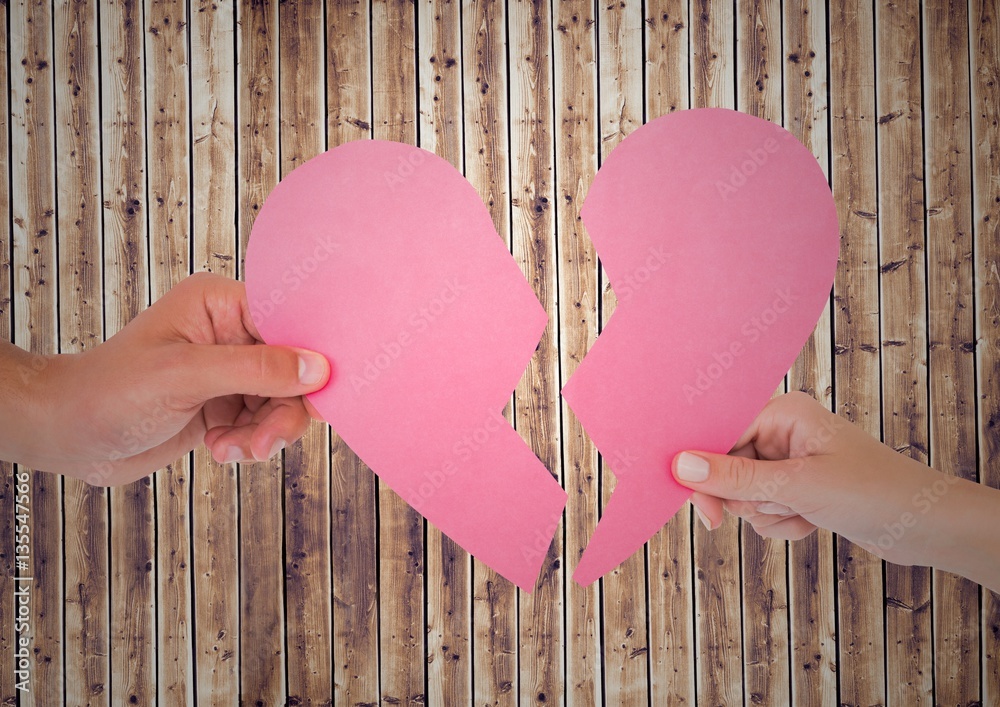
719,234
383,257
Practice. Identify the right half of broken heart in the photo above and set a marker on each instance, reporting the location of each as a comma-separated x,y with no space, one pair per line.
719,235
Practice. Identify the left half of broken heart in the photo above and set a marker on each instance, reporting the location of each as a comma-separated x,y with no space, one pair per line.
382,257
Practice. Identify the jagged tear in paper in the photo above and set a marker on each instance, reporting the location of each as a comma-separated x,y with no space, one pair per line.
719,235
383,257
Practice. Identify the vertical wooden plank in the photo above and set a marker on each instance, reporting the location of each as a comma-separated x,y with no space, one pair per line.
81,327
401,529
670,578
214,503
811,590
307,461
353,486
903,308
576,143
261,531
495,605
449,567
169,231
950,323
8,637
541,625
126,293
764,560
984,24
717,587
33,203
856,329
626,639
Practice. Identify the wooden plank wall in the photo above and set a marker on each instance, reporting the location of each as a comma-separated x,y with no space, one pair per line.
139,141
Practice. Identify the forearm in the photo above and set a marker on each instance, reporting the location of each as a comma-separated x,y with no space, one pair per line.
24,384
965,524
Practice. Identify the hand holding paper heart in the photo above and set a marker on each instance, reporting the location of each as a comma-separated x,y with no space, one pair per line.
719,235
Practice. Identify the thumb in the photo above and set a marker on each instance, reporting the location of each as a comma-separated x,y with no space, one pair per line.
212,370
737,478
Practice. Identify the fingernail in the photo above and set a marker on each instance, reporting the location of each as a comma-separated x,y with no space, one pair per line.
233,454
691,467
704,518
312,368
278,445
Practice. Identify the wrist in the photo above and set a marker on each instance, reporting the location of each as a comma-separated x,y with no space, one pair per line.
964,538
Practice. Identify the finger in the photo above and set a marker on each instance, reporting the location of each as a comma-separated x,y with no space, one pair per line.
232,444
283,424
738,478
708,509
210,371
794,528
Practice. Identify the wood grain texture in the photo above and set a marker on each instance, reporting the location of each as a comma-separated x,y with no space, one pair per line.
902,285
984,38
861,638
126,293
448,569
764,560
718,626
81,327
8,636
400,528
307,462
169,189
263,656
353,494
950,324
620,79
302,581
577,126
669,573
214,501
537,411
811,594
35,280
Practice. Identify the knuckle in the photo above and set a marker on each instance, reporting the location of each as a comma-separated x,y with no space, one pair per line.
742,473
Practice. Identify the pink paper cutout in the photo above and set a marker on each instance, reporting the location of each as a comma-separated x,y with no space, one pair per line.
719,234
383,257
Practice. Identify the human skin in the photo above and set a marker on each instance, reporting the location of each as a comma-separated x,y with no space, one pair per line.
190,369
800,467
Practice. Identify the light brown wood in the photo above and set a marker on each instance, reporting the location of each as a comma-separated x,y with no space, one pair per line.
813,629
718,626
214,504
81,327
400,529
353,486
764,560
126,293
669,572
626,638
902,253
449,567
856,330
984,24
950,324
577,126
8,637
169,233
533,236
308,628
263,657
